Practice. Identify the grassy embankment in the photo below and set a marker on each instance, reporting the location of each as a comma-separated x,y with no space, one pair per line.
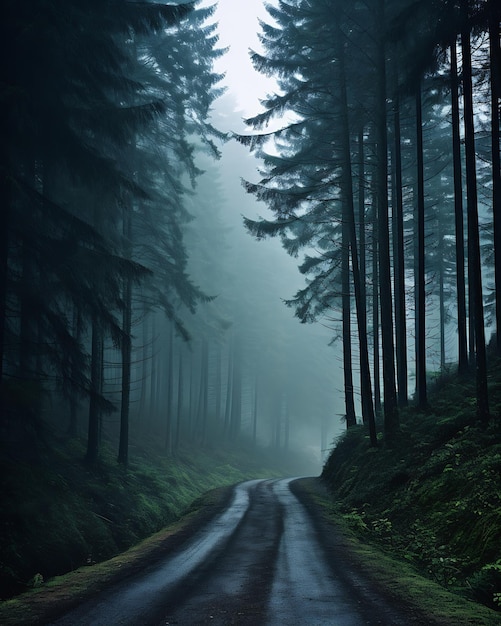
58,513
434,498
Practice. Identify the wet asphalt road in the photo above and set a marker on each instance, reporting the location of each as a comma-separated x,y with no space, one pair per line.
259,562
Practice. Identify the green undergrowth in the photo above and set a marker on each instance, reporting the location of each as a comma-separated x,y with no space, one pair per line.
434,497
399,581
58,513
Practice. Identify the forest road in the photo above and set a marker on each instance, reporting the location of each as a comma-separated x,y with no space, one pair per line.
262,561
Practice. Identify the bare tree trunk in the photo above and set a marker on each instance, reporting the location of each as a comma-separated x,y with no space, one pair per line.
459,218
73,403
359,281
286,426
441,293
192,399
123,449
153,371
421,394
473,227
375,314
96,381
351,419
6,208
236,392
349,234
169,409
399,261
218,387
391,418
204,383
145,365
254,414
495,68
180,401
229,378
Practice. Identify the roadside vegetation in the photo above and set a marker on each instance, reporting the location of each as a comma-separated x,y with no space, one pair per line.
59,513
434,497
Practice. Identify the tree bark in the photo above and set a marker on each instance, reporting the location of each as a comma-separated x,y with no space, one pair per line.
180,401
96,380
495,74
350,244
391,417
473,227
73,402
236,392
229,378
254,414
376,356
123,447
459,218
351,419
152,410
441,294
399,260
169,409
421,392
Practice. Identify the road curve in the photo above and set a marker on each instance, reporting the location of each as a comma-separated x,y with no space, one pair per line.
259,562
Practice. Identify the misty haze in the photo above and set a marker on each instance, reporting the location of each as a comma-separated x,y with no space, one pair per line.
250,285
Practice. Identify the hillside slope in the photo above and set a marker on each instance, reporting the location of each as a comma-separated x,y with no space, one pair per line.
59,513
434,499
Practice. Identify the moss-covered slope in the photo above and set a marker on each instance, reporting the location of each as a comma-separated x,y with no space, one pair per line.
58,513
435,497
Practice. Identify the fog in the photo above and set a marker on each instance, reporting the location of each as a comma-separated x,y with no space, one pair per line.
298,371
250,371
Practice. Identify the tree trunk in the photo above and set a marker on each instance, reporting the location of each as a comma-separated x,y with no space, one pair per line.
350,244
153,371
28,283
236,392
254,413
286,426
361,221
96,381
441,293
180,405
399,261
351,419
191,399
495,69
169,410
421,395
204,382
391,418
359,281
73,403
473,226
229,378
145,364
277,423
5,200
459,218
218,387
376,360
123,448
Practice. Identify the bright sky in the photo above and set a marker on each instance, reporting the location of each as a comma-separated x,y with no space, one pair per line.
238,28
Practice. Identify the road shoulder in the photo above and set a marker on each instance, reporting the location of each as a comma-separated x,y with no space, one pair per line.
63,593
422,600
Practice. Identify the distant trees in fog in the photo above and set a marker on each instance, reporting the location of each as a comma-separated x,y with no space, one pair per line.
113,238
101,103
